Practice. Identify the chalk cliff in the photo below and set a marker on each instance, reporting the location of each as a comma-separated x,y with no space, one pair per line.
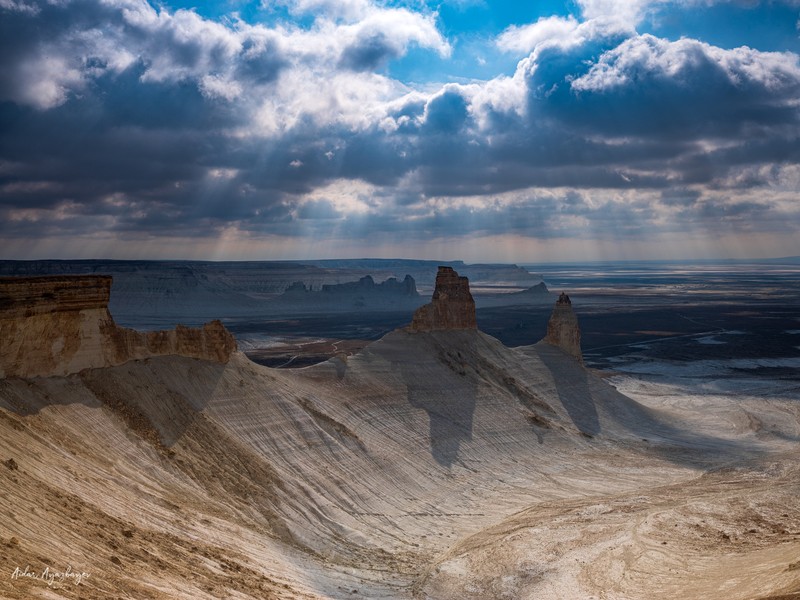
57,325
451,307
562,328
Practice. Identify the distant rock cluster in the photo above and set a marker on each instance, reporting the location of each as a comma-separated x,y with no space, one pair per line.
562,328
58,325
452,305
407,287
364,293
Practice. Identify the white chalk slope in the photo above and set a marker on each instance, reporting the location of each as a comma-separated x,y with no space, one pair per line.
440,465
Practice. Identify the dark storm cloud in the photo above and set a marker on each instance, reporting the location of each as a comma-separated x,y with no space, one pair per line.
369,52
446,113
128,118
81,151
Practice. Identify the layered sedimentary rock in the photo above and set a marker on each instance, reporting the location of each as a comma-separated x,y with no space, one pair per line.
57,325
562,328
452,305
28,296
209,342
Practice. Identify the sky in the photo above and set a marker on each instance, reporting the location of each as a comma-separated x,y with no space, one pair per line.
488,131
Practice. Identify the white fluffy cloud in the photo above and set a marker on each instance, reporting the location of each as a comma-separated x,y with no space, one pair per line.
645,57
526,38
562,33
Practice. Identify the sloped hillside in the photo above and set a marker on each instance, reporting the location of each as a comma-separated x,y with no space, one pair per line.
433,464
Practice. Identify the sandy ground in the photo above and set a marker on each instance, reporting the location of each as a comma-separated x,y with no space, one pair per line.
425,466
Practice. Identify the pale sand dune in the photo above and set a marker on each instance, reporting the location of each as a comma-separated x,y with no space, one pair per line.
440,465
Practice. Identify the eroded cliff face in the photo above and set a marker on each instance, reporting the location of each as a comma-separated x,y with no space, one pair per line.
563,330
61,324
452,305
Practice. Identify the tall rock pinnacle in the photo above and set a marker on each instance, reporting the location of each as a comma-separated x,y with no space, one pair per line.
562,328
451,307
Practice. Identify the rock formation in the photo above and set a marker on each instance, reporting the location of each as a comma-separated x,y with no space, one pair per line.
391,286
361,295
451,307
210,342
57,325
562,328
366,284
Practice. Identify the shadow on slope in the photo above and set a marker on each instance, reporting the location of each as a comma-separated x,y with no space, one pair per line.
596,408
448,374
153,403
574,391
158,398
452,374
450,413
162,401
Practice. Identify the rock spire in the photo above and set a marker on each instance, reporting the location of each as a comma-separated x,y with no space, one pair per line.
452,305
562,328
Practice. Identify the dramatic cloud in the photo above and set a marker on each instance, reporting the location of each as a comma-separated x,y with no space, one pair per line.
121,120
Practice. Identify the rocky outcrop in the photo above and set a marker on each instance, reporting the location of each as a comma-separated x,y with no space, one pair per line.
361,295
210,342
57,325
452,305
407,287
562,328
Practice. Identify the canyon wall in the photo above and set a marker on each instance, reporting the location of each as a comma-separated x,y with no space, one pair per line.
57,325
